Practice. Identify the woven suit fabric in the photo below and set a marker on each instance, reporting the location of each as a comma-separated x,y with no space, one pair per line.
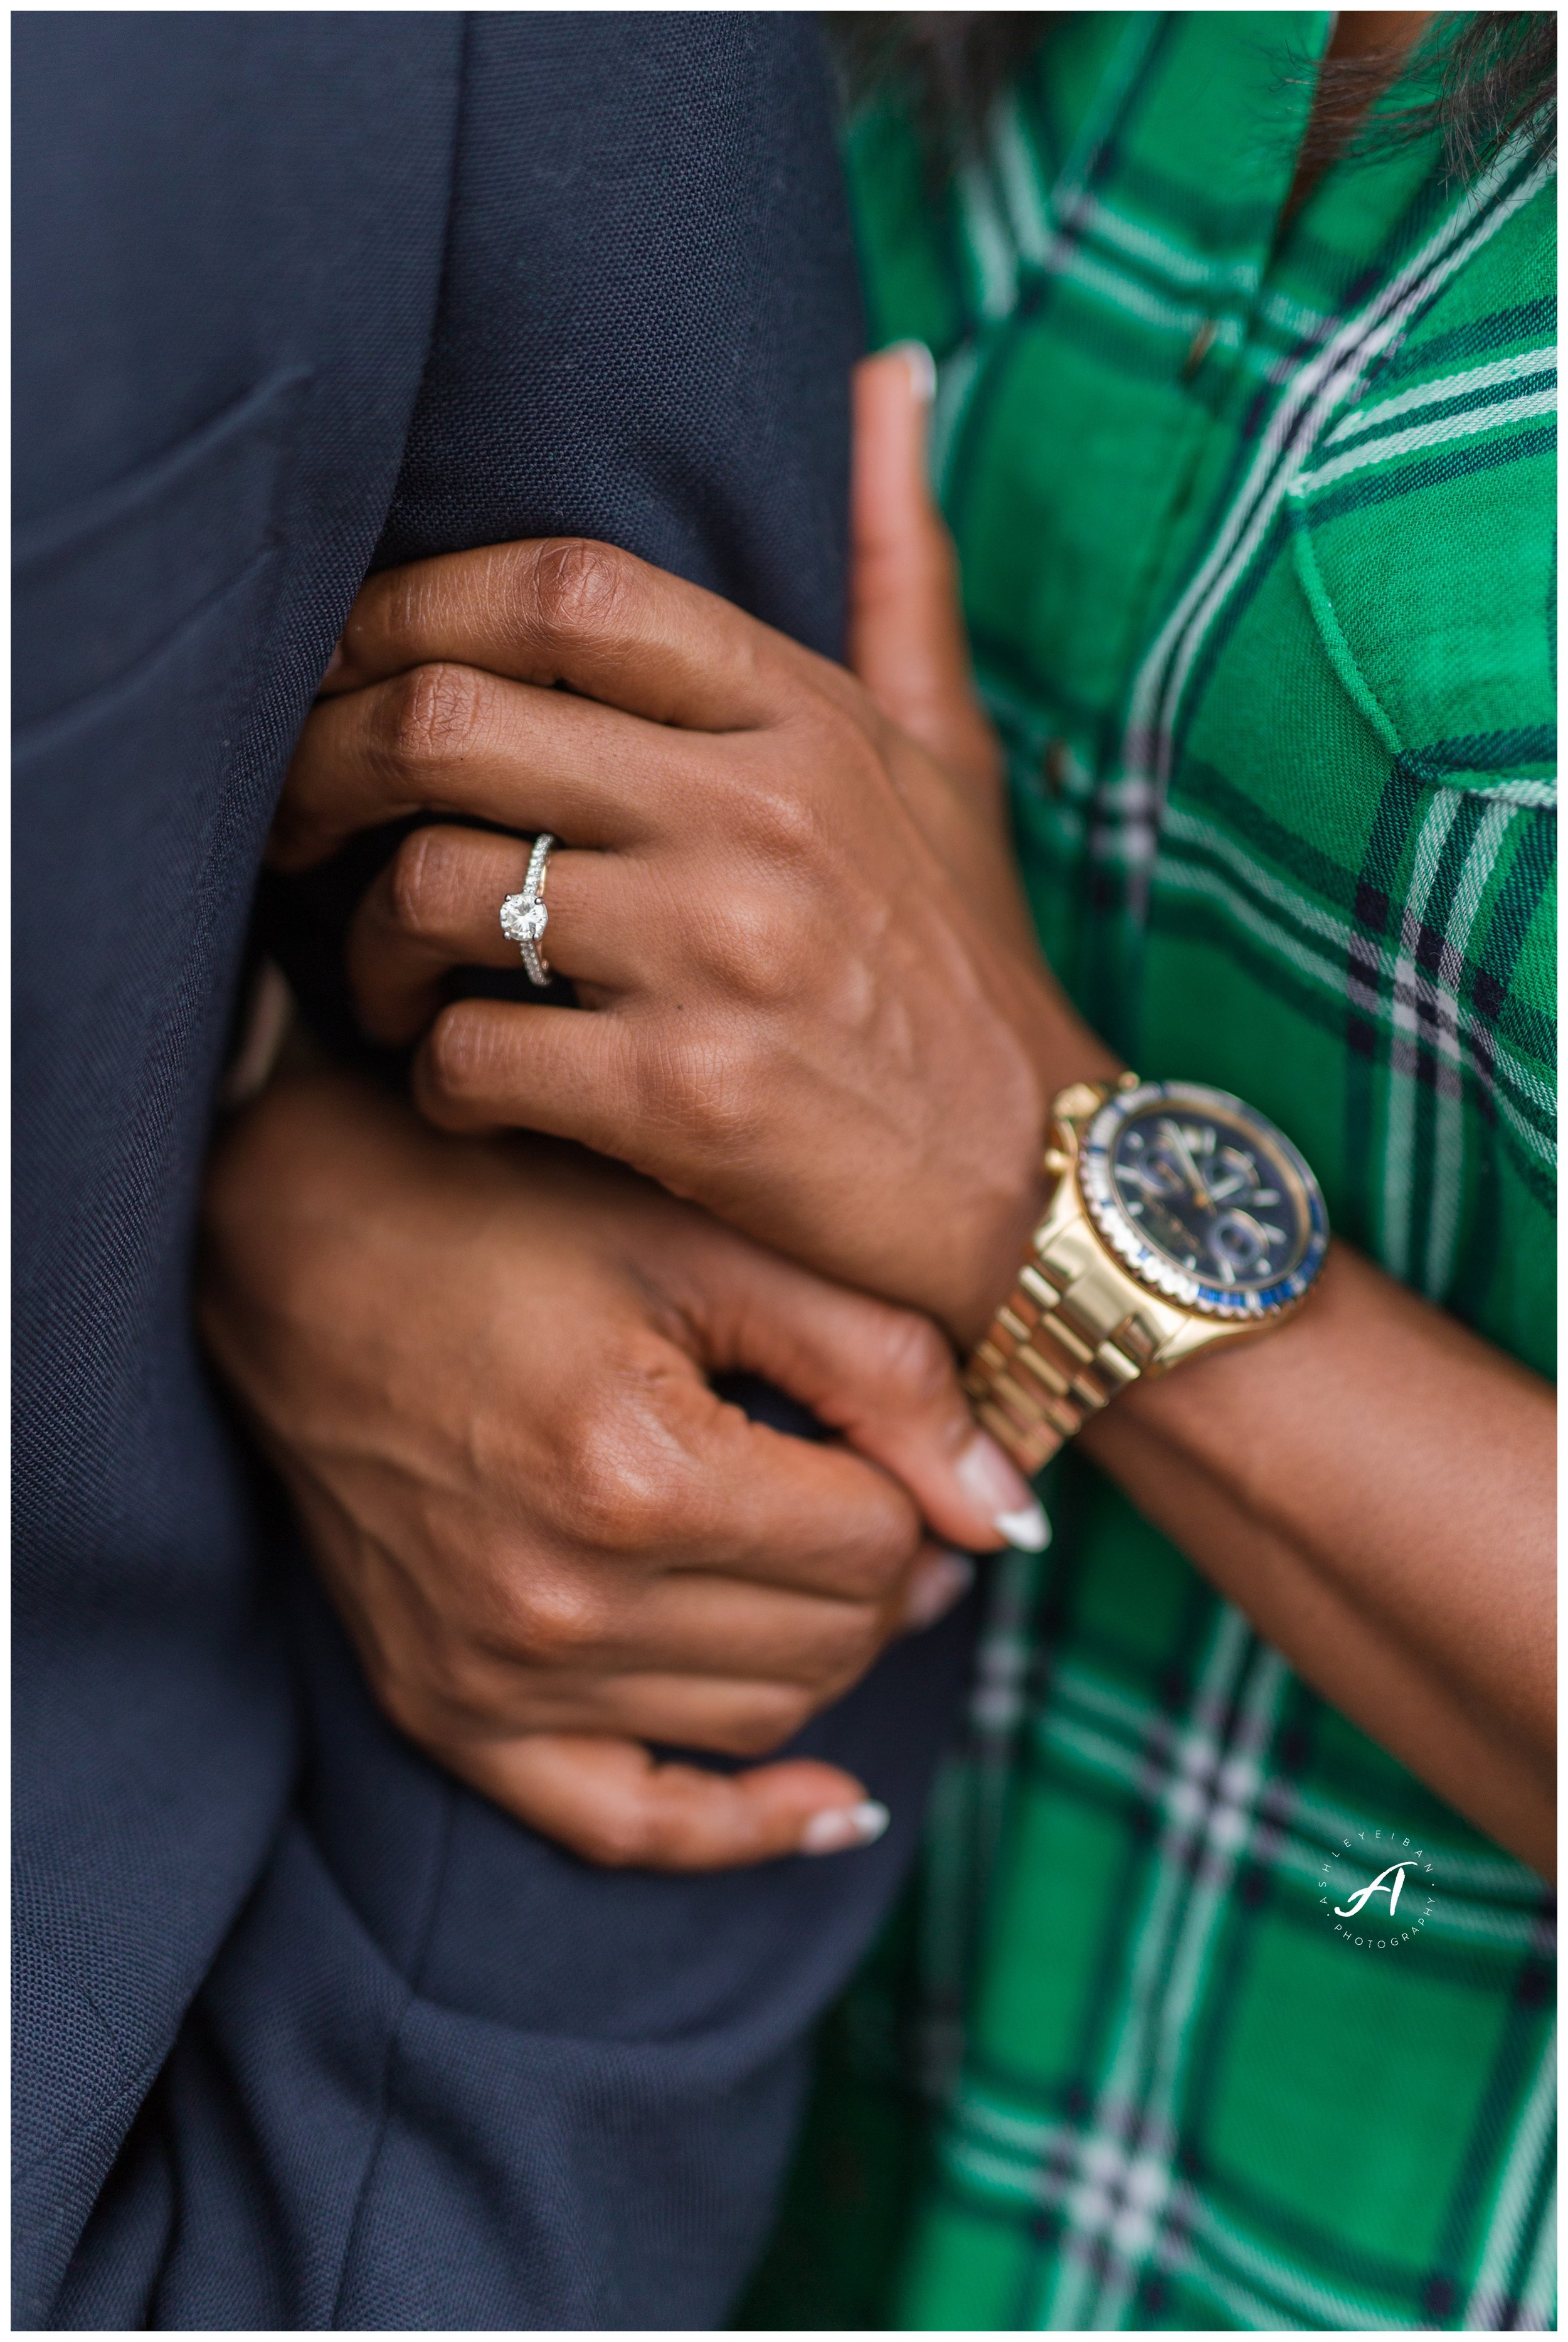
306,2034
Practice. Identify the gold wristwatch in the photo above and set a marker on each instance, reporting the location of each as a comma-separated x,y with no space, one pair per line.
1181,1218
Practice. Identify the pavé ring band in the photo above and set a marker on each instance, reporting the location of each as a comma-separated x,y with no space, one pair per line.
523,917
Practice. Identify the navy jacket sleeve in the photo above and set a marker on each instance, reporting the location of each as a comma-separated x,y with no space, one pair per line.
299,292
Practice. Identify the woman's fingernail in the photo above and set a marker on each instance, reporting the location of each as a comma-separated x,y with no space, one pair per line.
994,1483
843,1827
336,664
1029,1528
921,369
938,1584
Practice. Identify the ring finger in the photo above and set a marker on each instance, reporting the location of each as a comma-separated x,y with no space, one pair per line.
437,905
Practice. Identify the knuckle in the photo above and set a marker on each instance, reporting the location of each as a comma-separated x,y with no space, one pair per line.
628,1492
676,1076
800,778
558,1621
458,1053
877,1551
621,1837
771,1716
421,884
915,1360
758,951
855,1646
701,1087
612,1510
575,588
430,718
781,820
408,602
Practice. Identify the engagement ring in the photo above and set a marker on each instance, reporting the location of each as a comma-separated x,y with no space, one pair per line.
523,917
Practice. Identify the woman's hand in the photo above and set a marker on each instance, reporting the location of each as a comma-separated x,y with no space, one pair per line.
1372,1485
816,1007
482,1372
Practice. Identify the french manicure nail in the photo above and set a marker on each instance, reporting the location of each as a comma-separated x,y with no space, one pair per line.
1029,1528
922,370
1002,1492
937,1586
335,663
843,1827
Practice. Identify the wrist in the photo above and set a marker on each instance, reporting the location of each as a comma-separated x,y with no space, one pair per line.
1077,1056
1006,1250
1182,1221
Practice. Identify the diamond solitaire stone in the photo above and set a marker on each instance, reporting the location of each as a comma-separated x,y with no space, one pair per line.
523,921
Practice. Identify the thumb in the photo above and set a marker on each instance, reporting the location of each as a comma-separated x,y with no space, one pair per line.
613,1803
884,1378
907,639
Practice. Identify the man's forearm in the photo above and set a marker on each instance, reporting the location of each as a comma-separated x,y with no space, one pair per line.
1374,1487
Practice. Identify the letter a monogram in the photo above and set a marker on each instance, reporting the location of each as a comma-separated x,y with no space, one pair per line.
1376,1888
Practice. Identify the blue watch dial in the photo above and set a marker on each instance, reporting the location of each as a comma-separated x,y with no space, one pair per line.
1203,1198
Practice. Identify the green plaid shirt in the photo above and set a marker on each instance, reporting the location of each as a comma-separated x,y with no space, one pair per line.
1255,525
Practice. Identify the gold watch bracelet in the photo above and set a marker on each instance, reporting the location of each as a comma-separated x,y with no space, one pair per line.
1077,1327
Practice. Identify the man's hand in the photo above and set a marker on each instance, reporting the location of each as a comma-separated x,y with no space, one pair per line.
480,1368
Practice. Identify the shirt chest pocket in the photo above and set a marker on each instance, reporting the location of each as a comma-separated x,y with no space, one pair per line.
1423,540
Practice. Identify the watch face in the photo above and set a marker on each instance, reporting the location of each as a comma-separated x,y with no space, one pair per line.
1203,1198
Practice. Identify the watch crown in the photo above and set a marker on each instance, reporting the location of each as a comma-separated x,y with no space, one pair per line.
1056,1162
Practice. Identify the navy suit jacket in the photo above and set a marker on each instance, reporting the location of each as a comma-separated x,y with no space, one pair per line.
306,2034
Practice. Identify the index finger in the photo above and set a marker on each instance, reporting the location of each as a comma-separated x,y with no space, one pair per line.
568,610
615,1804
762,1505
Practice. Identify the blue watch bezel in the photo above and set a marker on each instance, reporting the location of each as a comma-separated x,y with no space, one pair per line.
1105,1207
